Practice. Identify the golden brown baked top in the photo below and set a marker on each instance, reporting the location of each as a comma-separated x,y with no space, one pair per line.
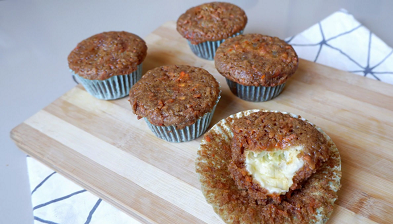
256,60
211,21
269,131
107,54
313,203
174,95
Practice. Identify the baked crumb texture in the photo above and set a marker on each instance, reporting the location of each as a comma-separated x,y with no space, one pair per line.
256,60
175,95
211,22
238,199
107,54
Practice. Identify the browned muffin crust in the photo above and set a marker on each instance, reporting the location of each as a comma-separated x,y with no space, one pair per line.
313,203
256,60
107,54
268,131
174,95
211,21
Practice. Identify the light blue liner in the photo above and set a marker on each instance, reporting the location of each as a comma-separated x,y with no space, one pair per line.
207,50
115,87
255,93
191,132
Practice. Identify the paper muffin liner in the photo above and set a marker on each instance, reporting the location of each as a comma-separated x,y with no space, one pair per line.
115,87
191,132
216,193
207,50
255,93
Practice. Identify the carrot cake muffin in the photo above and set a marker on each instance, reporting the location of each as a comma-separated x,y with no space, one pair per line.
273,153
206,26
108,64
263,166
177,101
256,66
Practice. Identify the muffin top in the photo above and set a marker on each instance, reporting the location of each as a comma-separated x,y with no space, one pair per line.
273,153
174,95
256,60
211,21
312,203
107,54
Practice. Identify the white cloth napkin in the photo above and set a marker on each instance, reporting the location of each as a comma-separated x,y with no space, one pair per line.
341,42
338,41
56,199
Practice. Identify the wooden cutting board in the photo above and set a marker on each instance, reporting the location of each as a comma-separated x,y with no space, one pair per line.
101,145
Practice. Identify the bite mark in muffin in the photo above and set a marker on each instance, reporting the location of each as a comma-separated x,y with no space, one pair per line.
312,203
274,170
266,142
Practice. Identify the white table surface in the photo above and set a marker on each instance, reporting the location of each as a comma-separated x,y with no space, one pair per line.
37,36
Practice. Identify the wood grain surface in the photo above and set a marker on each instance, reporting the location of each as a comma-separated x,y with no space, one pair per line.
102,146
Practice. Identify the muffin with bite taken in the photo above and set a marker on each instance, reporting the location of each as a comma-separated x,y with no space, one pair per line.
261,166
273,153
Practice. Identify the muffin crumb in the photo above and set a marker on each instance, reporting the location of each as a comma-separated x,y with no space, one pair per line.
211,22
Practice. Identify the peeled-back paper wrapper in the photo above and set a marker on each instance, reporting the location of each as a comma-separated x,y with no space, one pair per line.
216,193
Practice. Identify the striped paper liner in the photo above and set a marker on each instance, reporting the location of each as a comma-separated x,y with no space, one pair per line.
207,50
255,93
115,87
191,132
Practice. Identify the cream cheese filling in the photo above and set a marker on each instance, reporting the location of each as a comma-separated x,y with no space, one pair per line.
274,170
